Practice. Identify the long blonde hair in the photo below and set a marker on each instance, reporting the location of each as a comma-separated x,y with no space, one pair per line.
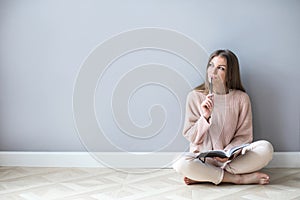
233,78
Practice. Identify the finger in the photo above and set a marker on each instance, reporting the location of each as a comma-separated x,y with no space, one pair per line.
210,96
209,99
210,103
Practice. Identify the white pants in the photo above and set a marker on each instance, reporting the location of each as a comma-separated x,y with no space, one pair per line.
258,155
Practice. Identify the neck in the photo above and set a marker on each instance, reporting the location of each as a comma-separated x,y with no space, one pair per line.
222,91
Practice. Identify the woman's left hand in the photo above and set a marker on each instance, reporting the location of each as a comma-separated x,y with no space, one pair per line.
221,159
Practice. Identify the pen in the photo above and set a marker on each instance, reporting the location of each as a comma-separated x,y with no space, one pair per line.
210,86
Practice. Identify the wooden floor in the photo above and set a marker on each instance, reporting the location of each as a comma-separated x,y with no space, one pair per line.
101,184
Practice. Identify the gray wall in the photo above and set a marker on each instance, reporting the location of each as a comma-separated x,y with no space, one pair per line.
44,43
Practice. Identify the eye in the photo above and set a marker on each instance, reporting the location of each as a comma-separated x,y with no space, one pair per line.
210,65
221,68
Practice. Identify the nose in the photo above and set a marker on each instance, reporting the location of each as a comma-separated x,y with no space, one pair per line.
214,71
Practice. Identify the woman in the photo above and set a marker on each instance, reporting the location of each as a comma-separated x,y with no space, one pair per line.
222,120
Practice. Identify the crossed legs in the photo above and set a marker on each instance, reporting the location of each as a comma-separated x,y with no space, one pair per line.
242,170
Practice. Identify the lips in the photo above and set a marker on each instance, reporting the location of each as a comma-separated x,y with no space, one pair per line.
213,77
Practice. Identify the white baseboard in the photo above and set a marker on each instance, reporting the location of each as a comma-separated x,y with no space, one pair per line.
285,160
117,159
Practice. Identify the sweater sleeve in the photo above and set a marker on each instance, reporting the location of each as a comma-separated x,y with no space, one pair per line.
195,125
244,130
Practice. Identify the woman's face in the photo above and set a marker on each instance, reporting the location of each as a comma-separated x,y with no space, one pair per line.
216,70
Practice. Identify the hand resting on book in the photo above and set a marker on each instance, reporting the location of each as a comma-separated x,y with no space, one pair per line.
221,155
221,159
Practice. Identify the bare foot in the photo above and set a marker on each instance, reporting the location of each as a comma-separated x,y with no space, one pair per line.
254,178
189,181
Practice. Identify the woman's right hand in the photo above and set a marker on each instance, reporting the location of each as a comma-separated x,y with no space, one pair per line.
207,106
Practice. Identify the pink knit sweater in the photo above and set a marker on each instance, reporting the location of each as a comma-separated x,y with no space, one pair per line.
230,124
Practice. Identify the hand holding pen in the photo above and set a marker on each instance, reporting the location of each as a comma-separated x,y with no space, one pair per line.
208,104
